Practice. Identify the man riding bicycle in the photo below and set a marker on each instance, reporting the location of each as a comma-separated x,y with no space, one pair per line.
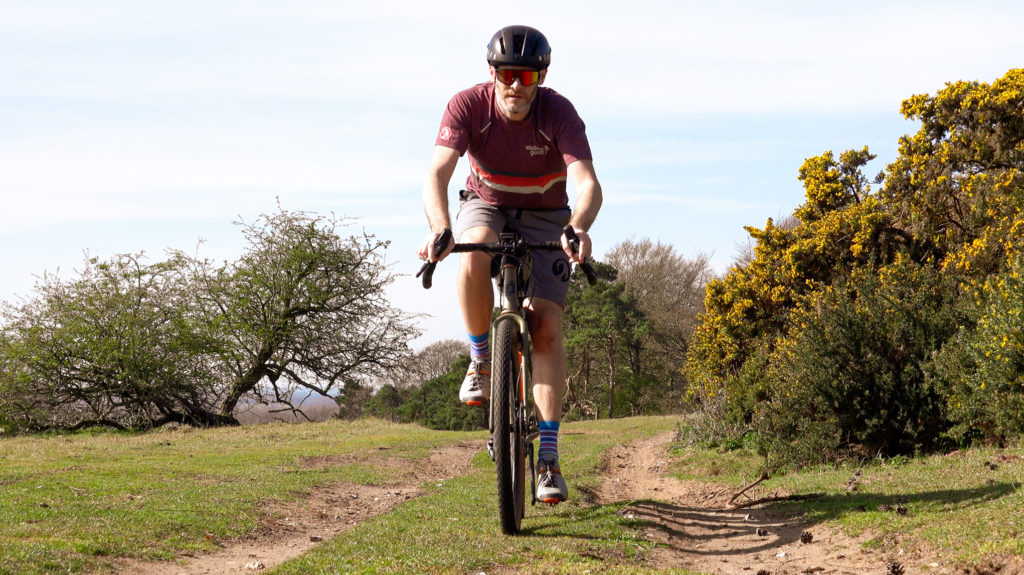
524,141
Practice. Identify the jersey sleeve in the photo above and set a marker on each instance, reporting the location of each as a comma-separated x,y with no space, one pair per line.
455,124
570,132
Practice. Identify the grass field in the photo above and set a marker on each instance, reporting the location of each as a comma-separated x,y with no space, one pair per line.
77,503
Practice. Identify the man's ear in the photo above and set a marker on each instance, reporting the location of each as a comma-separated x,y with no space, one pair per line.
490,72
543,74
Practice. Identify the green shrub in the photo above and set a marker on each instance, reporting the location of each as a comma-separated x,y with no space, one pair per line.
849,379
708,427
385,403
436,405
981,370
750,386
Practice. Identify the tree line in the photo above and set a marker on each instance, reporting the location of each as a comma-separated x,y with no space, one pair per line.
882,321
625,337
131,344
883,317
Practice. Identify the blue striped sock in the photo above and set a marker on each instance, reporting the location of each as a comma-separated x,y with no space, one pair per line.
548,440
479,346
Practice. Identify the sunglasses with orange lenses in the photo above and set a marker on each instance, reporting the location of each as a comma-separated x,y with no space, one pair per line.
526,77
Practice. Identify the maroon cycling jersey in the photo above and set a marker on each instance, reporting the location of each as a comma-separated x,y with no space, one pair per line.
515,164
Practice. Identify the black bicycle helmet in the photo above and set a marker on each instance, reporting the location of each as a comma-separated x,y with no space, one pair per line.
519,46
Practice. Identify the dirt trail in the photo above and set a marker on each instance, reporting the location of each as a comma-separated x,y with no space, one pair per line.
324,514
697,530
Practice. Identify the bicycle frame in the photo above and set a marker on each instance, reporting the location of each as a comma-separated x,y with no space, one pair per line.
510,305
512,421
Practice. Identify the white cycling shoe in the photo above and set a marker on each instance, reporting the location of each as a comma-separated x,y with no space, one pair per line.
476,388
551,486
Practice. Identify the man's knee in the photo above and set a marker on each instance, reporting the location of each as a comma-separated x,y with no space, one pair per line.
477,234
546,342
545,319
477,264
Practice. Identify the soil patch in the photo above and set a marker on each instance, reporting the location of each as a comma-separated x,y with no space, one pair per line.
300,526
697,530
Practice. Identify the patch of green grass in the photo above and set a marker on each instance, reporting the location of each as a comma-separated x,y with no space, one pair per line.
736,466
69,503
966,505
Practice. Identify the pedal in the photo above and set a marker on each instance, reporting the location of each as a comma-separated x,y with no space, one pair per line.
490,448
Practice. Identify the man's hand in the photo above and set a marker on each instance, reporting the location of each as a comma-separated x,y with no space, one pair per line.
432,250
583,248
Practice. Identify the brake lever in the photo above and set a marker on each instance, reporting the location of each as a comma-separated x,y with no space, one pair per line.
574,244
427,271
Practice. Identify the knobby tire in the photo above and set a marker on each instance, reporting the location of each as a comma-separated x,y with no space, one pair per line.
509,448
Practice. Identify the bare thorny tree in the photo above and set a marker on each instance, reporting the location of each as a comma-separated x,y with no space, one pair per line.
304,308
130,344
669,288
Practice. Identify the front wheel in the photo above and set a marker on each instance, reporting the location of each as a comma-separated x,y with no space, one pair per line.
508,434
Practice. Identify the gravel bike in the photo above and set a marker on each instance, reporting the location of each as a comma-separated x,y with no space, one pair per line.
512,421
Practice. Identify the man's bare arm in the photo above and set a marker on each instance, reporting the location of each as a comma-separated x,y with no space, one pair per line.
588,202
435,198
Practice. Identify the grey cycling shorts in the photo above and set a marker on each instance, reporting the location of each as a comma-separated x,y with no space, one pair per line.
551,269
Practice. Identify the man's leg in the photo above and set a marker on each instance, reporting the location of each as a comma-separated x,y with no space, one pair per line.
476,299
549,372
549,363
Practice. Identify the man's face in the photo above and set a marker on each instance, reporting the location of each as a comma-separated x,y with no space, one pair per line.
515,98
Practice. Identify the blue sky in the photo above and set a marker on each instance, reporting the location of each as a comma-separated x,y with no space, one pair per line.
141,125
